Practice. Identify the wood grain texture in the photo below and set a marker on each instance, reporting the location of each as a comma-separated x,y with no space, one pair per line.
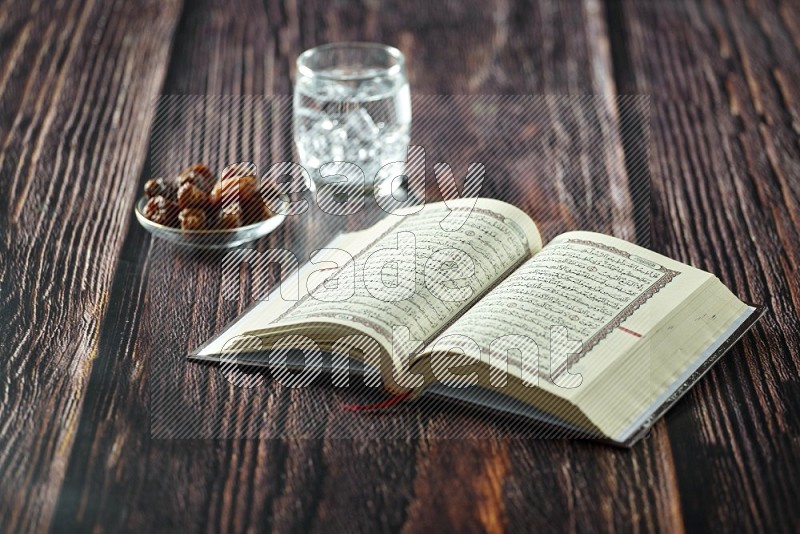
76,80
724,84
86,376
325,484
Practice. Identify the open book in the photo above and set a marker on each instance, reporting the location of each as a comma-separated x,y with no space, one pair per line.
462,300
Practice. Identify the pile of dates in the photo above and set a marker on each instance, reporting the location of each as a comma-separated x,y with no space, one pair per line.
196,200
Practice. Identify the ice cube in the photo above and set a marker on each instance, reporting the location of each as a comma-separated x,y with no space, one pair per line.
335,92
359,125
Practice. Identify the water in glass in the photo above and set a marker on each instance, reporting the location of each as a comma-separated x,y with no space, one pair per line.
361,116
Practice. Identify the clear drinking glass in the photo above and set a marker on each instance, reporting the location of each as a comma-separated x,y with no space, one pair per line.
352,104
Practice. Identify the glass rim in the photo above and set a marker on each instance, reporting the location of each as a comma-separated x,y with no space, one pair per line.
304,70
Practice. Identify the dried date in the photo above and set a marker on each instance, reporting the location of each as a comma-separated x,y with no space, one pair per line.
229,217
191,196
233,189
158,187
192,219
199,175
161,210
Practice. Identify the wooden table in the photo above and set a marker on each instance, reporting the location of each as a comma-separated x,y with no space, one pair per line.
82,284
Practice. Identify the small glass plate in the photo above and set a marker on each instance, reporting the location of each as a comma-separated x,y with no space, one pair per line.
208,239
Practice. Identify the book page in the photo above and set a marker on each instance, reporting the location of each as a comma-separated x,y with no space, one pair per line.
263,312
589,296
419,273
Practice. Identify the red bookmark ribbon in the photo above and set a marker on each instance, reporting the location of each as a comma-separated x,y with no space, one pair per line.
629,331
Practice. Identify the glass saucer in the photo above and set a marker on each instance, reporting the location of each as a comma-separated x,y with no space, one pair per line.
208,239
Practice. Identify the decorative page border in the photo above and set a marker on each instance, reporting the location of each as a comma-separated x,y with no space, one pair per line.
667,276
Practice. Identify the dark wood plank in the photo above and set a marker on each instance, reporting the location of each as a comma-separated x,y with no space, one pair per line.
76,85
724,83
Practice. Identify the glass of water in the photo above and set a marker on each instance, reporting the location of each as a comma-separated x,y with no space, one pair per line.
352,104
